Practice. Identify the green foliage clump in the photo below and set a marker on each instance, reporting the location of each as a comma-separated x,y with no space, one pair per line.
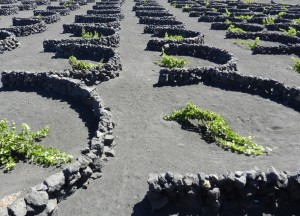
171,62
82,65
174,4
39,16
89,35
296,66
296,21
227,21
227,13
280,14
68,3
216,129
268,20
186,6
244,17
233,29
291,31
206,3
173,37
251,45
16,146
247,1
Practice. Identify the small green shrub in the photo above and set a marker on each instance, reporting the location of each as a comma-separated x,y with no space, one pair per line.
227,13
68,3
280,14
206,3
82,65
173,4
39,16
268,20
16,146
89,35
173,37
247,1
296,21
216,129
186,6
214,9
296,66
171,62
251,45
227,21
291,31
233,29
244,17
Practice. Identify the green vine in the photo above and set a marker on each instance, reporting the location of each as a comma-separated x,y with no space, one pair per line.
82,65
171,62
291,31
89,35
296,66
216,129
244,17
172,37
16,146
296,21
233,29
268,20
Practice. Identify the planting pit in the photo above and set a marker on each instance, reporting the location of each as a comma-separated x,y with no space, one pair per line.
67,132
8,41
26,26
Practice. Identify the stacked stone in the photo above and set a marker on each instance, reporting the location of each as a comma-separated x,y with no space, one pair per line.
155,20
217,193
110,41
278,26
6,10
47,16
168,20
92,49
277,50
26,26
268,88
62,10
43,198
154,13
100,18
8,1
112,12
27,5
244,26
189,37
8,41
76,28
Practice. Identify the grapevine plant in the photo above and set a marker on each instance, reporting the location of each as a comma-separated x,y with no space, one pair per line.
216,129
16,146
89,35
82,65
251,45
171,62
296,65
173,37
233,29
268,20
291,31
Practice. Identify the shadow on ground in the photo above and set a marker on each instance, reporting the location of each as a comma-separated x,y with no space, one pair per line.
177,209
85,113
